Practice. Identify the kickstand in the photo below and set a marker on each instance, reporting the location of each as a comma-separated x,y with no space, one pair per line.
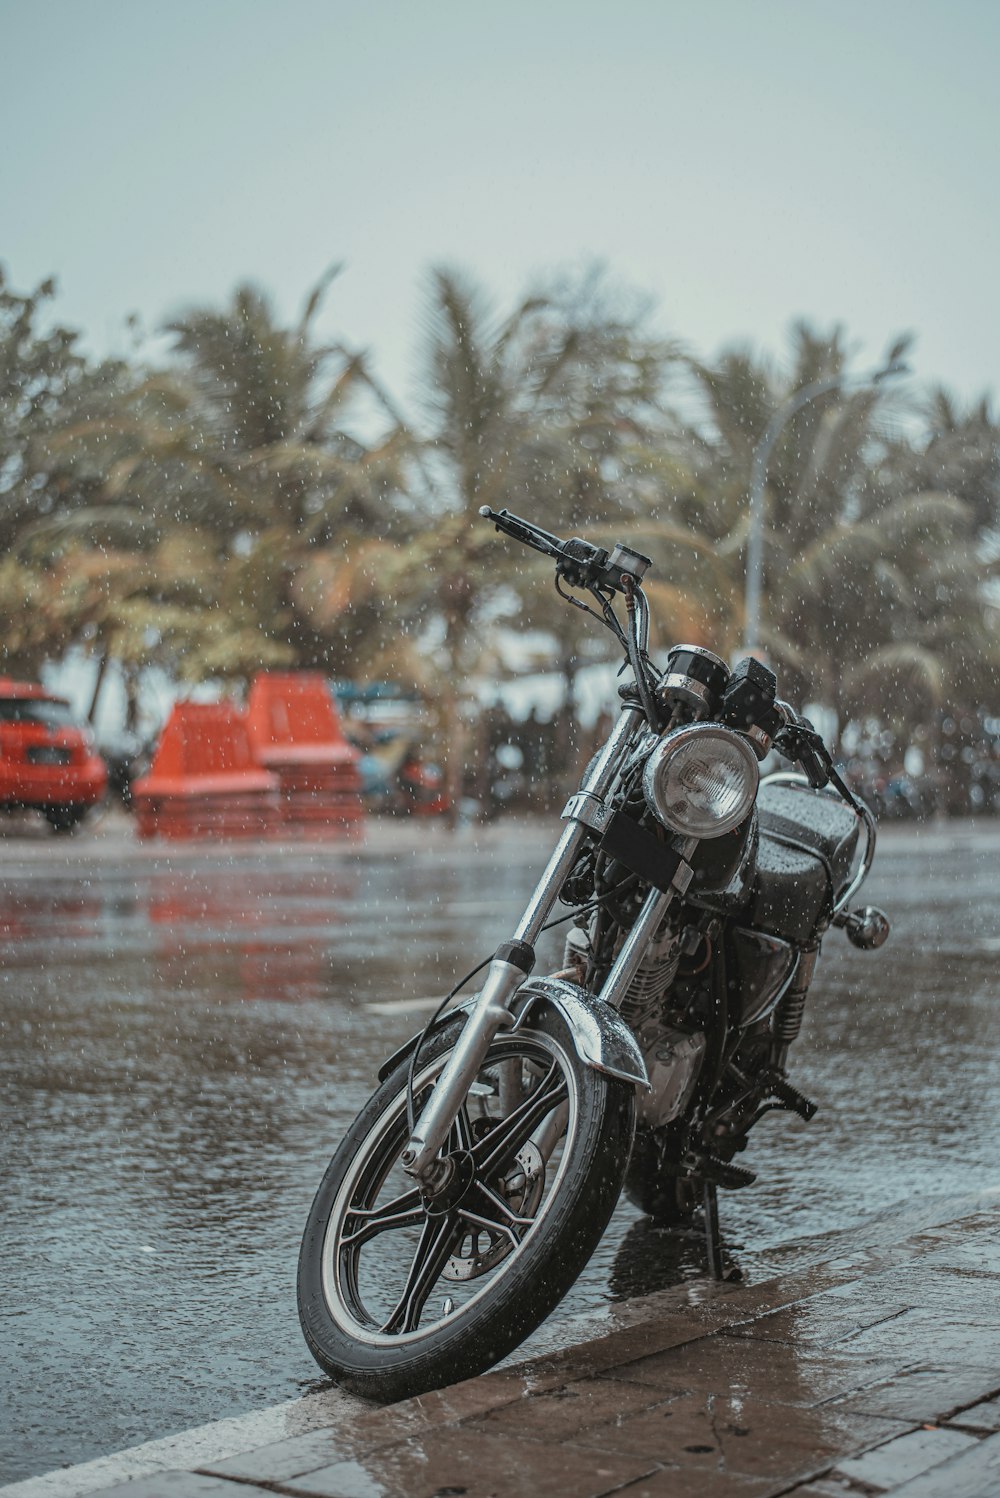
713,1241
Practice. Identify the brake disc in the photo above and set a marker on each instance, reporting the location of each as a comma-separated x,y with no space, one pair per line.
483,1248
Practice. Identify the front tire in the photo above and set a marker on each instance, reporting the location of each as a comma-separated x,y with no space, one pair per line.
397,1294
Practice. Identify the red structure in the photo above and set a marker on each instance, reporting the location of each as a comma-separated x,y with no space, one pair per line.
295,732
204,780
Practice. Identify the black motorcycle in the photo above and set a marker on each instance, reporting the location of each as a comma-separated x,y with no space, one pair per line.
474,1185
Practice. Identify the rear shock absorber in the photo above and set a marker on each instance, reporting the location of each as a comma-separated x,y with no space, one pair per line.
787,1020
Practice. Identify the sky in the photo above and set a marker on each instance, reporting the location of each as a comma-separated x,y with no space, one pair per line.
744,162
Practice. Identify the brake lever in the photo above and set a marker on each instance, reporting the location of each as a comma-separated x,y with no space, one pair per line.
800,742
524,531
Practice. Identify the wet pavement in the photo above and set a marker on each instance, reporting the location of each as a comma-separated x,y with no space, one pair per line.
184,1034
876,1369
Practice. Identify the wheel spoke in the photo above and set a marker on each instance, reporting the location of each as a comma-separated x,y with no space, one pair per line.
493,1214
495,1150
501,1209
402,1212
437,1239
494,1229
461,1130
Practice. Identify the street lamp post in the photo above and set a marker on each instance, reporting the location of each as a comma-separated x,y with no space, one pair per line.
758,477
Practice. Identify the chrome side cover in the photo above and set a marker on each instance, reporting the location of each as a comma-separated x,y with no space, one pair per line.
602,1038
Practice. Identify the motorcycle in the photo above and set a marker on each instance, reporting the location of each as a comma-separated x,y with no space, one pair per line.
475,1183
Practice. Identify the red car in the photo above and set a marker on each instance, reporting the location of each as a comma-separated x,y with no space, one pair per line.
47,757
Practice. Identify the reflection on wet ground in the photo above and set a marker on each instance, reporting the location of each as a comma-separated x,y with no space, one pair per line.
860,1373
184,1038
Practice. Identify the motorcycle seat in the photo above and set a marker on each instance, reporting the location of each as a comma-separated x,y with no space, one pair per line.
807,846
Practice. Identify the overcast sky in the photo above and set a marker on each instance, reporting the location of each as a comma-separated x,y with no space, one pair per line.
746,162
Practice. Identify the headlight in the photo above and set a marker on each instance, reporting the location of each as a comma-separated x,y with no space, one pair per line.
701,781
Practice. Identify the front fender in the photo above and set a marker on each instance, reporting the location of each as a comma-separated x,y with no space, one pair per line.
408,1045
602,1038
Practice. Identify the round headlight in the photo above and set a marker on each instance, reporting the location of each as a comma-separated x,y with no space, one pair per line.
701,780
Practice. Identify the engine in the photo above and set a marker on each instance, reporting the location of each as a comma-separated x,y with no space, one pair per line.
673,1055
649,987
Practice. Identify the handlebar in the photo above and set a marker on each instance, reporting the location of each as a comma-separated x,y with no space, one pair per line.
524,530
580,562
751,694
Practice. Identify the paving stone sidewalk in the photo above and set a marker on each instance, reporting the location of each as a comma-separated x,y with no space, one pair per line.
875,1371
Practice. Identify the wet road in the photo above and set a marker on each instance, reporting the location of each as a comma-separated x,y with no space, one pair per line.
183,1038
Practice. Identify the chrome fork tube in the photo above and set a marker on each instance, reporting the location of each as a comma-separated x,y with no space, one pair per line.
492,1009
491,1012
633,949
634,946
594,785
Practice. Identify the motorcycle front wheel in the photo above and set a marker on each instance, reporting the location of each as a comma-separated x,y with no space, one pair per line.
399,1294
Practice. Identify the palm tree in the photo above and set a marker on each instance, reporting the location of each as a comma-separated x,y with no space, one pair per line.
41,374
267,432
239,454
873,576
956,451
533,411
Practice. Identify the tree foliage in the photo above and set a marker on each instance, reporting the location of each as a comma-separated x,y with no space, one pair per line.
256,498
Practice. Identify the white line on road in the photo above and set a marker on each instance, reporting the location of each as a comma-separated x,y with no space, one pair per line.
195,1448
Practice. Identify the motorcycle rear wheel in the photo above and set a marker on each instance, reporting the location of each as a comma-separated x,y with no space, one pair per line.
398,1295
670,1199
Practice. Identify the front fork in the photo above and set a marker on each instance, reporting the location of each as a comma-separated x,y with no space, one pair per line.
514,961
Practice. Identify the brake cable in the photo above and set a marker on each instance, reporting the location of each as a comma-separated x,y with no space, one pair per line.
634,647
